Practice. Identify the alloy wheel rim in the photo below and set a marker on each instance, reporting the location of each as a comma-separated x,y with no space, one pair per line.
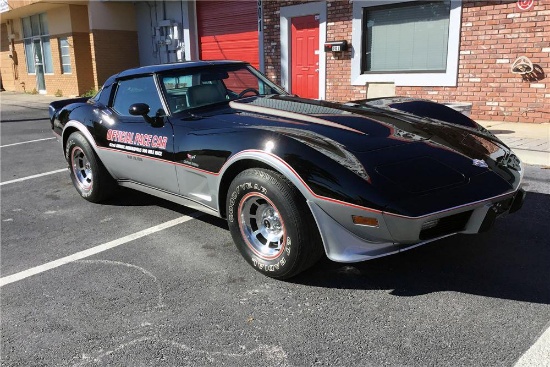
262,226
82,169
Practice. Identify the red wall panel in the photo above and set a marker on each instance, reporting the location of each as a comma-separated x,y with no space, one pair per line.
228,30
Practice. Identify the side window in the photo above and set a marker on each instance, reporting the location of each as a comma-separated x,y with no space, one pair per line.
138,90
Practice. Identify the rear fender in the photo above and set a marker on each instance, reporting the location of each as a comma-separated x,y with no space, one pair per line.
56,106
74,125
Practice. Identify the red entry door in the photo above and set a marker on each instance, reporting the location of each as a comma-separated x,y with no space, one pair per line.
305,56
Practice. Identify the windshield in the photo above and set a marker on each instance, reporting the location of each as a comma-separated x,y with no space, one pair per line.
186,89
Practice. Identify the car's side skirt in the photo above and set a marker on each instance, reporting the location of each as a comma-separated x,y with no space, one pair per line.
178,199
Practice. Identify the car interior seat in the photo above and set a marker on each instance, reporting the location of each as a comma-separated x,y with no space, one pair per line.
199,95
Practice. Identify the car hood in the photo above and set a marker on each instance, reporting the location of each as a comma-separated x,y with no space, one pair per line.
359,129
355,136
354,130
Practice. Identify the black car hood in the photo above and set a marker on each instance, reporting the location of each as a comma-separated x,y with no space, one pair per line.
355,130
355,135
359,129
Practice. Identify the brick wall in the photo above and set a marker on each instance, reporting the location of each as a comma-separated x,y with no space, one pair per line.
64,84
272,37
339,88
14,69
82,61
5,61
16,78
338,73
112,52
14,4
94,57
493,35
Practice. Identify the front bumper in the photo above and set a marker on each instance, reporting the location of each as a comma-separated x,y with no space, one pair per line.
345,241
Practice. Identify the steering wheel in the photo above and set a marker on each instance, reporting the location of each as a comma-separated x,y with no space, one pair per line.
255,91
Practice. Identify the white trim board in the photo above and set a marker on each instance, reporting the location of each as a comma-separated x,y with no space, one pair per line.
445,79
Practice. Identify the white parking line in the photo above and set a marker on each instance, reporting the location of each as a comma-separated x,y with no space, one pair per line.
33,176
538,354
94,250
26,142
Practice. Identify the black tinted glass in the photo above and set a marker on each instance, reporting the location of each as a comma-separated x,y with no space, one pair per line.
138,90
199,87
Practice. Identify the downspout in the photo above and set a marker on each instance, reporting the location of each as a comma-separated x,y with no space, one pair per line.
182,46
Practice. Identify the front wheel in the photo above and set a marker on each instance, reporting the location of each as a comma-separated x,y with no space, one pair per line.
89,176
271,224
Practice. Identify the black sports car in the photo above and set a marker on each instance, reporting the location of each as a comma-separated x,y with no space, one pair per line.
294,177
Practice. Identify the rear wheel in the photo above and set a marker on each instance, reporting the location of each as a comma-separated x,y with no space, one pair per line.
271,224
89,176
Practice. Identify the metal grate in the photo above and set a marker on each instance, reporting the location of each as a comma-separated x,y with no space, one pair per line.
447,225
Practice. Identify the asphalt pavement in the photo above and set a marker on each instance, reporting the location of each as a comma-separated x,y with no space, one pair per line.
141,281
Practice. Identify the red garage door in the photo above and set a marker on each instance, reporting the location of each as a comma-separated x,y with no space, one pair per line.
228,30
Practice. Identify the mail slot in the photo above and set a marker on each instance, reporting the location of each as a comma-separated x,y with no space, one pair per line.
336,46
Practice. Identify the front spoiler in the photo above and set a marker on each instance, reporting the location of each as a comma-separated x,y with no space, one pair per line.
347,243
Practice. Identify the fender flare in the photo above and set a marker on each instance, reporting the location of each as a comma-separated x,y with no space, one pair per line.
80,127
273,161
74,124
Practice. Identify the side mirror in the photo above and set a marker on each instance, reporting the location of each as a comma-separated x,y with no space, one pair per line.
139,109
143,109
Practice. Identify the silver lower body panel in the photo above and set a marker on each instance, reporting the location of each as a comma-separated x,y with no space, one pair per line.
347,242
170,197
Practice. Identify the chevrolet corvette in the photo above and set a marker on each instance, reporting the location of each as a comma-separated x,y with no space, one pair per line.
295,178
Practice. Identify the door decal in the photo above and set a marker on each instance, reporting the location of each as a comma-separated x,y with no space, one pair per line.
143,141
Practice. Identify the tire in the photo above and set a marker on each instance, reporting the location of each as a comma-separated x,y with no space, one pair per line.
271,224
89,176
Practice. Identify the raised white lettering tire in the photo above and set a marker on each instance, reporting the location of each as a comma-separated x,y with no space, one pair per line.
271,224
89,176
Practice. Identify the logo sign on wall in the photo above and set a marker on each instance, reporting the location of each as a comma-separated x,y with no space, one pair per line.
4,6
525,4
